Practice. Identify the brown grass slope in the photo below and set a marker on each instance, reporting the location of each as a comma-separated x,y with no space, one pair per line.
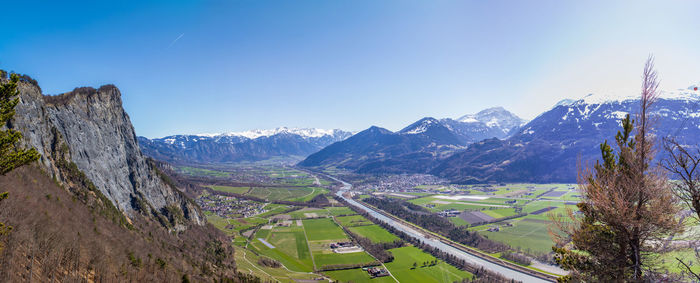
57,237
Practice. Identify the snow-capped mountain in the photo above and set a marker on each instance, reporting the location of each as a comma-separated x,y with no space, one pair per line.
241,146
547,148
303,132
432,131
493,122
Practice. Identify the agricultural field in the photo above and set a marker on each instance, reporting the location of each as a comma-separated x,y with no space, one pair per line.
340,211
323,229
356,275
375,233
309,213
352,221
288,245
194,171
300,194
526,233
234,190
246,262
405,257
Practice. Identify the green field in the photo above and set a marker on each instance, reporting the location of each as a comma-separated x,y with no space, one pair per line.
354,220
291,248
246,262
375,233
193,171
337,211
356,275
404,258
529,234
500,213
323,229
289,194
309,213
218,222
325,258
235,190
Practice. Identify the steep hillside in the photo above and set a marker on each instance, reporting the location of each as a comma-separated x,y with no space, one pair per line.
245,146
93,208
56,238
86,131
547,148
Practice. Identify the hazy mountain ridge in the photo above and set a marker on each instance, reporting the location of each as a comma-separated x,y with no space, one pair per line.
241,146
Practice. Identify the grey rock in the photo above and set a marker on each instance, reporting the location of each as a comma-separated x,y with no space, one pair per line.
101,142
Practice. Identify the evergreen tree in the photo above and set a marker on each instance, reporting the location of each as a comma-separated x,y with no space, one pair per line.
11,154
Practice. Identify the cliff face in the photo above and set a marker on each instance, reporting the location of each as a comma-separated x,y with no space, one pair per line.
90,128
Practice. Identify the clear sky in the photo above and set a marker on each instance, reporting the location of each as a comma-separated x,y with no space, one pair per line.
228,65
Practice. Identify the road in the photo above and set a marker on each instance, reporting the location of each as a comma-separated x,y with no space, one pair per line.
477,261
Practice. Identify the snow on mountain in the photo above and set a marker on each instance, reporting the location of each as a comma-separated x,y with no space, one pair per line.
421,127
493,122
241,146
254,134
692,92
548,148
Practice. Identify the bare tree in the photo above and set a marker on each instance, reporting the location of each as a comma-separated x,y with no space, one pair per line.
684,164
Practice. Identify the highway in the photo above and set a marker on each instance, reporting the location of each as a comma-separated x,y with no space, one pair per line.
446,247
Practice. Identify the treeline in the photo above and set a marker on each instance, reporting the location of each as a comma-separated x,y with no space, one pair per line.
268,262
516,257
480,274
430,221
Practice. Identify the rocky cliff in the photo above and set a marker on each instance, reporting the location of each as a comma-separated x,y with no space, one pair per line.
87,130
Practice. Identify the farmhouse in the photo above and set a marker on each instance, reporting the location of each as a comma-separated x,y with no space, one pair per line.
449,213
341,245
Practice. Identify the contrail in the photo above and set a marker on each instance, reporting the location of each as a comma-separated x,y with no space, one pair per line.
171,44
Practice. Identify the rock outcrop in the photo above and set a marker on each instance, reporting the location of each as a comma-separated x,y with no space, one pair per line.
88,129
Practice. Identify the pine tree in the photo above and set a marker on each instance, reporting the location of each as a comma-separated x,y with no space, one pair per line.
11,154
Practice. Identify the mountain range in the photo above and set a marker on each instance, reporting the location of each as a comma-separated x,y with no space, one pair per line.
548,148
496,146
290,143
417,147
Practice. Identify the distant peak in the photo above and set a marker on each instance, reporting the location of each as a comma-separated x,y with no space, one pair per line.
253,134
497,117
421,126
376,129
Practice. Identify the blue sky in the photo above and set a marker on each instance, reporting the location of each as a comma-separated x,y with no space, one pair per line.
216,66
